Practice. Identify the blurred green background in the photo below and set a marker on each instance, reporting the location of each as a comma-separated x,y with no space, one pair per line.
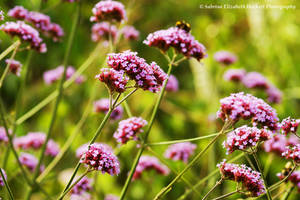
266,41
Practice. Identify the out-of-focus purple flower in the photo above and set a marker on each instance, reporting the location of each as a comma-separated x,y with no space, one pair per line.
104,30
83,186
102,105
289,125
25,33
130,33
148,77
108,11
111,197
53,75
172,84
255,80
250,179
35,140
129,129
29,161
292,153
55,32
83,196
182,41
293,178
3,136
180,151
225,57
100,158
1,15
83,148
14,66
39,20
274,94
114,80
245,106
18,12
276,144
235,75
245,137
1,180
147,163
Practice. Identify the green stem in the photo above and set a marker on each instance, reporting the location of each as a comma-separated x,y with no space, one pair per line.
213,188
249,161
287,193
262,175
127,109
268,163
9,49
137,158
128,95
195,159
6,185
226,195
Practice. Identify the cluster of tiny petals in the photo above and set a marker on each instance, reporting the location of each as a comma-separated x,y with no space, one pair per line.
172,84
278,143
250,179
100,158
245,106
83,148
25,33
53,75
102,106
35,140
292,153
18,12
103,31
30,161
255,80
130,33
114,80
14,66
245,137
108,11
225,57
1,180
180,151
148,163
148,77
3,136
274,94
293,178
182,41
129,129
235,75
84,185
289,125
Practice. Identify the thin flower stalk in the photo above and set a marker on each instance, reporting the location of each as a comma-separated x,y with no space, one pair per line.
226,195
141,150
213,188
9,49
287,193
6,185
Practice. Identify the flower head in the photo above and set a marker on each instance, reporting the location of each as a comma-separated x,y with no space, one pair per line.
39,20
292,153
84,148
55,32
274,94
250,179
53,75
114,80
102,105
276,144
289,125
103,31
147,163
245,106
180,151
84,185
108,11
182,41
235,75
225,57
148,77
1,180
100,158
245,137
130,33
255,80
129,129
25,33
172,84
293,178
18,12
29,161
14,66
3,136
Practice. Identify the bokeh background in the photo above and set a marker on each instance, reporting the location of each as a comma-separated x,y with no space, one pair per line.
266,41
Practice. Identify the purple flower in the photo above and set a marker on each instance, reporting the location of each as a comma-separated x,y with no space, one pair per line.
53,75
274,94
225,57
129,129
100,158
276,144
18,12
235,75
1,15
104,30
114,80
245,106
289,125
148,77
3,136
83,148
130,33
250,179
25,33
14,66
102,105
147,163
108,11
292,153
1,180
55,32
245,137
293,178
255,80
39,20
180,151
29,161
182,41
172,84
84,185
111,197
83,196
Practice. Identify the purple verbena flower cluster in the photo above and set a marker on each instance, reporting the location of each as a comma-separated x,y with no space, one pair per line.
255,80
116,81
251,180
130,33
180,151
278,143
172,84
292,153
29,161
3,136
102,106
235,75
103,31
294,178
225,57
14,66
83,148
274,94
83,186
289,125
